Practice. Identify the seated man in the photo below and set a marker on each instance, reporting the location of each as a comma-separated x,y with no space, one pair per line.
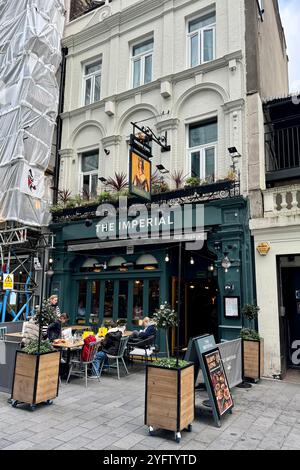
110,345
55,329
149,330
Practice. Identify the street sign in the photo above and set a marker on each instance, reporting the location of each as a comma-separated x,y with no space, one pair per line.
8,281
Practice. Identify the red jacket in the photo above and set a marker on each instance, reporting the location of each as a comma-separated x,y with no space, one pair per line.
85,349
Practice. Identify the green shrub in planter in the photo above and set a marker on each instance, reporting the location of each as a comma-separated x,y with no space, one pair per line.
193,181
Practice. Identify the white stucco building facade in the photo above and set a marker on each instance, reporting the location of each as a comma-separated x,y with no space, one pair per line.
181,91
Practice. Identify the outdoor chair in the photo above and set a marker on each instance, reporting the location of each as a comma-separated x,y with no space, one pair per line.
144,348
118,357
80,368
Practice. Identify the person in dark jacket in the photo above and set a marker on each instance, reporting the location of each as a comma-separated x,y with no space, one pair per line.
149,330
54,329
110,345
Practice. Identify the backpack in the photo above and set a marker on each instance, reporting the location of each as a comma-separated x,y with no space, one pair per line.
86,348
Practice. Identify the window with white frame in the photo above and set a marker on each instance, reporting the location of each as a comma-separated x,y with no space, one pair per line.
203,141
92,82
202,39
89,174
142,62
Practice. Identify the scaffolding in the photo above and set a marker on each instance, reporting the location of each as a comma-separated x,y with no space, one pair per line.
21,249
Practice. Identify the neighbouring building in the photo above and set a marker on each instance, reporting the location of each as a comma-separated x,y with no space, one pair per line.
184,69
276,228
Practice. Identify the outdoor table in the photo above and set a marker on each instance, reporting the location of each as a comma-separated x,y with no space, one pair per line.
78,327
17,335
69,346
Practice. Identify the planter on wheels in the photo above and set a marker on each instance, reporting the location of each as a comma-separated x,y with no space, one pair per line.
170,399
36,378
253,359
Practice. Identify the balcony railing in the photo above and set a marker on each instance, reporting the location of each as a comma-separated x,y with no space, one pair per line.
283,201
200,194
283,154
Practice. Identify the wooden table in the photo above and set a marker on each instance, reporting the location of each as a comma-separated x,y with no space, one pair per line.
65,344
78,328
17,335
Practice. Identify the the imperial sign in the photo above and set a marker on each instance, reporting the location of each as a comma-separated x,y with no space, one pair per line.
159,221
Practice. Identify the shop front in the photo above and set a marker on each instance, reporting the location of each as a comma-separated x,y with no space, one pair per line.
129,278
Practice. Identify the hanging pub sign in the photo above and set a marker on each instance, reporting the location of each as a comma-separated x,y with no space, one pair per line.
140,168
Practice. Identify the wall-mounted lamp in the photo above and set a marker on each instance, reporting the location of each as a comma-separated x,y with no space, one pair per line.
192,261
162,169
103,180
167,258
88,223
229,287
211,268
107,152
100,265
235,156
226,263
217,246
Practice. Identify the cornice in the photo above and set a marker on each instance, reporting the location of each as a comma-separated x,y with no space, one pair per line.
111,140
167,124
233,105
66,153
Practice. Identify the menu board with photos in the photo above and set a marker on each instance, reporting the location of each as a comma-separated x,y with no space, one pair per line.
218,381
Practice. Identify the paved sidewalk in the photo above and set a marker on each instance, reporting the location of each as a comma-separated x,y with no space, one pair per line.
110,416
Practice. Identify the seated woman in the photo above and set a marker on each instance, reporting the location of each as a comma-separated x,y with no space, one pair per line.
149,330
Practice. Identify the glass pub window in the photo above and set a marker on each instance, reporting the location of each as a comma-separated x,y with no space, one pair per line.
142,58
109,299
92,82
153,296
203,139
82,296
89,171
201,39
138,297
123,296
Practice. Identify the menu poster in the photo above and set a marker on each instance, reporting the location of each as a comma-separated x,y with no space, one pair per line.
218,382
232,307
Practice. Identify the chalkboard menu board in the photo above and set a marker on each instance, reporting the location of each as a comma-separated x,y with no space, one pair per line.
218,381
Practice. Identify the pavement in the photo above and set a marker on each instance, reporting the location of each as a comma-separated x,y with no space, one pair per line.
110,415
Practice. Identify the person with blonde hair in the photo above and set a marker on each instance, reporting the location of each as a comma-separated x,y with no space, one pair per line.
148,330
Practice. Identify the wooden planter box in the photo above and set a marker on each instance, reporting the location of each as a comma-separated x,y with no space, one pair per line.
36,378
253,359
170,398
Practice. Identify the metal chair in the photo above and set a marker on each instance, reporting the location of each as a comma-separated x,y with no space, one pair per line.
119,356
3,331
144,348
80,368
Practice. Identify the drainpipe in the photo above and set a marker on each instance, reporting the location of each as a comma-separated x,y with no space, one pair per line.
59,123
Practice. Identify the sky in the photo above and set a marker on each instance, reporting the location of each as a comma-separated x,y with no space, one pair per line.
290,15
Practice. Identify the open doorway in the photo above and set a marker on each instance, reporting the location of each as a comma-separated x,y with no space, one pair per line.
199,298
290,312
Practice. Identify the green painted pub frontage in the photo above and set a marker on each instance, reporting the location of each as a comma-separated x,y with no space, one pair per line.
98,279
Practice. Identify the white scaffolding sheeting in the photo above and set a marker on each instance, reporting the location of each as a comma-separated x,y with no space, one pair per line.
30,55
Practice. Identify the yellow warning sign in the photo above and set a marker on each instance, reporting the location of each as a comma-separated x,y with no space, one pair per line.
8,281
